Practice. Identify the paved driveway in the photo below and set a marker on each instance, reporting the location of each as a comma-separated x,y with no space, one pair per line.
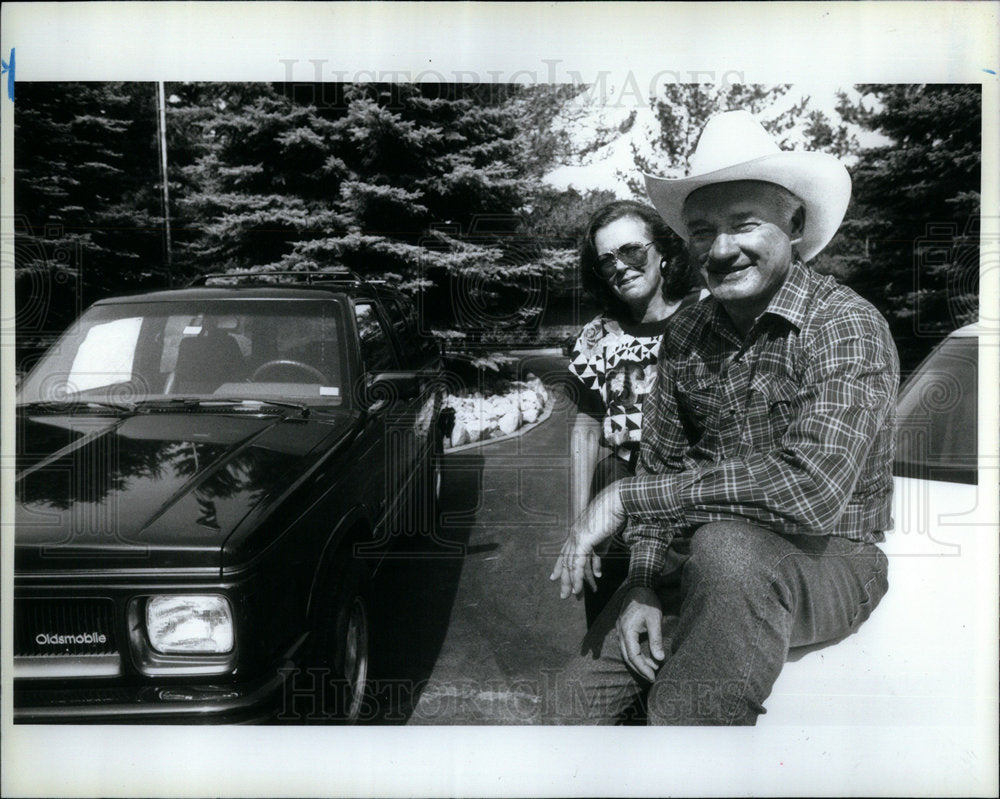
474,624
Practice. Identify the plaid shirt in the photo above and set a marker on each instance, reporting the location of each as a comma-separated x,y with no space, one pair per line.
791,428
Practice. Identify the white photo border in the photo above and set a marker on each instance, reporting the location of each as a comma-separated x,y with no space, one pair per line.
824,43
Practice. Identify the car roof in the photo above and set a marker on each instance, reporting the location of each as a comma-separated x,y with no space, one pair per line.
971,330
226,293
266,285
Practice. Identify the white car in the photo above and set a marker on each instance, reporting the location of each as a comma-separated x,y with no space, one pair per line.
927,655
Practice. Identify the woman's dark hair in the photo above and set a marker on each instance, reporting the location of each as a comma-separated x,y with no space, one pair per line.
676,272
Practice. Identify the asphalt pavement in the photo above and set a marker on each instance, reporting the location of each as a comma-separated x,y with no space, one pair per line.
471,628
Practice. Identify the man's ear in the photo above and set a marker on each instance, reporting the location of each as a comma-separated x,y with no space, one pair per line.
797,224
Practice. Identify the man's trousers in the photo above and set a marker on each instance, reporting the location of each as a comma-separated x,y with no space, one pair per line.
742,597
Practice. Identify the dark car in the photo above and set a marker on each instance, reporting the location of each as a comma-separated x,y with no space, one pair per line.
207,480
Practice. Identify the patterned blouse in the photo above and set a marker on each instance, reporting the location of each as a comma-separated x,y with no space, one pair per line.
621,367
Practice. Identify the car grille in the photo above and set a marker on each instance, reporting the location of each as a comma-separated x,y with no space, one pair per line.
62,637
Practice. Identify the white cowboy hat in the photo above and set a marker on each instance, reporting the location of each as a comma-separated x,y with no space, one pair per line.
735,146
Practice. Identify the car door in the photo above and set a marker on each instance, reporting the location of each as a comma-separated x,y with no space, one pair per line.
420,354
391,448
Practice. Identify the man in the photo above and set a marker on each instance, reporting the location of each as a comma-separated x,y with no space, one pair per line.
764,477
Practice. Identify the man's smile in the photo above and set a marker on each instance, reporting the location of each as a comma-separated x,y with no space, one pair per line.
722,270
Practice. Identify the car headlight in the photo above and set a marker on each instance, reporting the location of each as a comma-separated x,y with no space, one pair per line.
189,624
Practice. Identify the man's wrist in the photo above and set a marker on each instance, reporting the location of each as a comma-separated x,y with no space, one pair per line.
639,581
647,560
642,575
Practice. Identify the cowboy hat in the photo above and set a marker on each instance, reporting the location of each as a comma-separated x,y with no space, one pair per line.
735,146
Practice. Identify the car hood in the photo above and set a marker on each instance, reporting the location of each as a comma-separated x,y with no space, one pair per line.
153,490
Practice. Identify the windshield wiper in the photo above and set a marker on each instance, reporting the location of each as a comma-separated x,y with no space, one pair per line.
300,407
198,402
62,406
144,406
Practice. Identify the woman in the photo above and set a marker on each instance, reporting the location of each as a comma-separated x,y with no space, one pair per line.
634,267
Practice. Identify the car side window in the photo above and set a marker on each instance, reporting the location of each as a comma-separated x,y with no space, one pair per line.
404,335
937,415
416,349
376,348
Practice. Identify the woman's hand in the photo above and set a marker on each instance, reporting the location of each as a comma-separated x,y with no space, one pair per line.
577,560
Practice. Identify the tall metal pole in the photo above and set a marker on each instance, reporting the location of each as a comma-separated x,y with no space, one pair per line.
161,126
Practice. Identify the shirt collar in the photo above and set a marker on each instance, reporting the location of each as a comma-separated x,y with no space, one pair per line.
792,298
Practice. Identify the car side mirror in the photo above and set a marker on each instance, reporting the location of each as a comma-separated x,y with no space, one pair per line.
394,385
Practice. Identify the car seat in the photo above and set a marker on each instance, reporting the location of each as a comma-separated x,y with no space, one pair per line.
205,362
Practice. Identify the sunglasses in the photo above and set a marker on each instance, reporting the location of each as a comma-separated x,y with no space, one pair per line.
632,255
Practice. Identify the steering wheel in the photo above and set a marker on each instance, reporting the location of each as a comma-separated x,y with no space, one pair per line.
277,363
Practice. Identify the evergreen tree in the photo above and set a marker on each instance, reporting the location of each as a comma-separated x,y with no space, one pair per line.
86,180
255,176
430,187
420,185
86,186
914,220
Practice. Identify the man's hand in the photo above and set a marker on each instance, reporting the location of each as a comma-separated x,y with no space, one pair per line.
578,561
641,613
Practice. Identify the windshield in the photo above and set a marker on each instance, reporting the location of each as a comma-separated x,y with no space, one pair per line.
936,416
264,350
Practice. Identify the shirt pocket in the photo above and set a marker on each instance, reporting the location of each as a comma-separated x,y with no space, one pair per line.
699,404
770,411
